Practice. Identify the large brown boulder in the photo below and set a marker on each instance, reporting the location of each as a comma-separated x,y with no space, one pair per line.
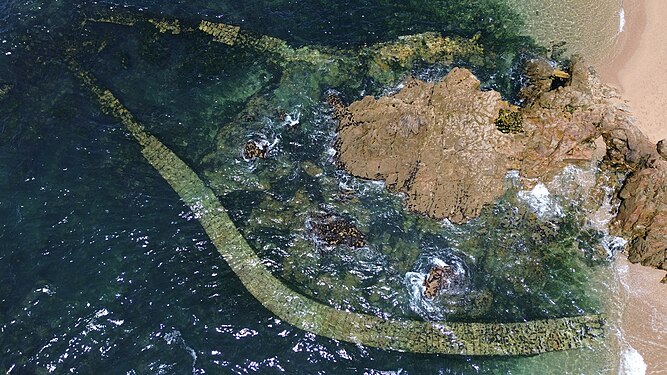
661,147
642,213
642,216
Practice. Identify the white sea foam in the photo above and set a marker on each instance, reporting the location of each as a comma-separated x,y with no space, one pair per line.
291,119
426,307
391,90
433,308
612,244
632,363
578,186
540,200
621,20
513,175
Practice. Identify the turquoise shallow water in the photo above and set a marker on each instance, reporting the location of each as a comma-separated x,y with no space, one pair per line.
102,268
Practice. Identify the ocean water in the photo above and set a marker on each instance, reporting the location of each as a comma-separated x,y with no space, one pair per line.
103,269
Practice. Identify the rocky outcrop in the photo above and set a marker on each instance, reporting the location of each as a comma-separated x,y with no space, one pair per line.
448,146
642,215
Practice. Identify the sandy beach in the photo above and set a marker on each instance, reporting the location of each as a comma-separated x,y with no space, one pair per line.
639,72
638,69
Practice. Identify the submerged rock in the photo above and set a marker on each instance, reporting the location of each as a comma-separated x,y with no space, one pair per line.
253,150
436,279
334,231
5,89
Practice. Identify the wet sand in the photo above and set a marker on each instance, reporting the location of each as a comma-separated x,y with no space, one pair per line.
639,72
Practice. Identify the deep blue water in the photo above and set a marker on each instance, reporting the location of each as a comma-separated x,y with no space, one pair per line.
104,270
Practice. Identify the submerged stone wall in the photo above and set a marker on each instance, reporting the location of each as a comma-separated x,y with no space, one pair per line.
382,61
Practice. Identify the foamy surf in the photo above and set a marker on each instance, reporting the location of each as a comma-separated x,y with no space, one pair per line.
632,363
641,310
540,201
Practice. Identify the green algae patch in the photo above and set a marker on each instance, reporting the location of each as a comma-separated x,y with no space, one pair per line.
166,26
221,32
385,62
509,121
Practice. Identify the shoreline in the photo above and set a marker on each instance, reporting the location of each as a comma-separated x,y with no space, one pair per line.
636,70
